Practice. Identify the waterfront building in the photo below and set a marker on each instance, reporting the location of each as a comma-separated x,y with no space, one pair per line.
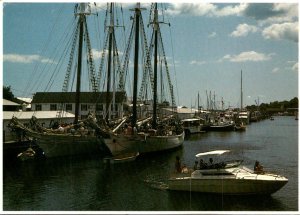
90,102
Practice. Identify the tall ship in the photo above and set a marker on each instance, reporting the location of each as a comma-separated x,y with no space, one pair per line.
144,130
83,136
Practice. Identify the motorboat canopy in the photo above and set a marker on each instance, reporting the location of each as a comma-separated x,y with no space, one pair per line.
215,152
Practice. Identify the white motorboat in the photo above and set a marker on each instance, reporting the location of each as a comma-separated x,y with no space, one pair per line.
228,178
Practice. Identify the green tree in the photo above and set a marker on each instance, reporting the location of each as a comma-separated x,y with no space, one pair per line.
7,93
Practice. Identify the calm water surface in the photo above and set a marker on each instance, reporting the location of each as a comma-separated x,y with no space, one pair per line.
77,184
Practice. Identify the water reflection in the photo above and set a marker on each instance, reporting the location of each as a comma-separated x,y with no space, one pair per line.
186,201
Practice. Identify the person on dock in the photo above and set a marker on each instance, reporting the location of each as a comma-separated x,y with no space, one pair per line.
258,169
202,164
178,167
196,165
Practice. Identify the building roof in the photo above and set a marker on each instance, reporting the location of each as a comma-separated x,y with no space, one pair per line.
69,97
26,100
9,103
7,115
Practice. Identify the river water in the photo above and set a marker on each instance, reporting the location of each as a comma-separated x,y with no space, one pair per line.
87,184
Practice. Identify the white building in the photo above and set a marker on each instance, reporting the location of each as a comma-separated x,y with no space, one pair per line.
90,102
46,118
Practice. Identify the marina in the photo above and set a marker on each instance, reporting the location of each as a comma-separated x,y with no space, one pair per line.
142,185
100,125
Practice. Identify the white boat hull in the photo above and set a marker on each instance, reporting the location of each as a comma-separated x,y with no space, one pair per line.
142,143
120,144
161,143
257,184
227,186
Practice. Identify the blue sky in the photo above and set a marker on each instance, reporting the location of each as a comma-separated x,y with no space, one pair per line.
207,46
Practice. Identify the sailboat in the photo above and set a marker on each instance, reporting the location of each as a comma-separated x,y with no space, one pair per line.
144,135
243,115
173,135
83,137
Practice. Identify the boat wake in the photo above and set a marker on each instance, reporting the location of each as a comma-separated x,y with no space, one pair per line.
158,184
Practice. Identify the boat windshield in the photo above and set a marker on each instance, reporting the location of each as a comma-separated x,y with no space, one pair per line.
216,152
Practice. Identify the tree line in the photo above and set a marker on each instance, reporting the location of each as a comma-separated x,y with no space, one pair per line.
275,106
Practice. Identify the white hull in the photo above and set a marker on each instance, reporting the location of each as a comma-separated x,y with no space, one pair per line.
120,144
227,186
228,181
142,143
161,143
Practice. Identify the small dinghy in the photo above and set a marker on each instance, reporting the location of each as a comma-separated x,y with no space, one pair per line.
122,158
28,154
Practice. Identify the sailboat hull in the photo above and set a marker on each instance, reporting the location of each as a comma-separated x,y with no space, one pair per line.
119,144
142,143
68,145
161,143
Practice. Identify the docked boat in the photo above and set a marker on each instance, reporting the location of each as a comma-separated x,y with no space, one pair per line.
192,125
28,154
76,139
156,133
222,126
240,127
122,158
228,178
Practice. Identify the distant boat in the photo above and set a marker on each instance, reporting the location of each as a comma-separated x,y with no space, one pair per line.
192,125
240,127
28,154
221,123
271,118
226,178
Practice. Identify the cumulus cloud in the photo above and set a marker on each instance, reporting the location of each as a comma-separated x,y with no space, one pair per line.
247,56
272,13
16,58
288,31
204,9
243,30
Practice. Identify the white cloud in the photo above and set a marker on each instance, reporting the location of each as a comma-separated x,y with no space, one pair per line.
243,30
194,62
16,58
98,54
272,12
275,70
212,34
247,56
288,31
204,9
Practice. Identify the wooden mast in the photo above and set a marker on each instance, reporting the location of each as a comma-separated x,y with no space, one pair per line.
79,59
156,26
241,90
136,64
111,29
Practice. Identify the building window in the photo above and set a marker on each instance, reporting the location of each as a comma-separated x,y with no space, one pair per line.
53,107
38,107
68,107
84,107
99,107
